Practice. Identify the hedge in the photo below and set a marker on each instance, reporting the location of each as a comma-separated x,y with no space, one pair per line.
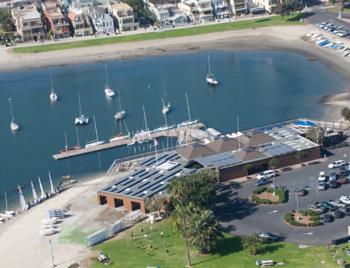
260,190
288,217
260,201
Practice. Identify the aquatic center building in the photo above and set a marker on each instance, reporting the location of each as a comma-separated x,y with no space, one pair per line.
228,154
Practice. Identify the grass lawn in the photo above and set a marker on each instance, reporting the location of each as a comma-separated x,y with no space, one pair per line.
346,9
123,252
262,22
74,234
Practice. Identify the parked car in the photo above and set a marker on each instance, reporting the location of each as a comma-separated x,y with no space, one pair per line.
345,199
336,164
316,208
343,180
332,176
321,186
343,172
301,192
327,218
268,236
326,205
322,176
337,203
338,214
347,211
262,182
266,174
333,184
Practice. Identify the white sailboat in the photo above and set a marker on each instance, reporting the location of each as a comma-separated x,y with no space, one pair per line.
188,122
7,211
53,95
119,115
81,119
166,127
43,194
36,200
94,142
133,140
109,92
166,107
51,185
146,131
22,201
14,126
210,77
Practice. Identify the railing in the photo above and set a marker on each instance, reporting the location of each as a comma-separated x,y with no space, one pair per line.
105,234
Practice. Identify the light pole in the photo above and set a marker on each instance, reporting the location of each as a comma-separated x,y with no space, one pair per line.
297,197
53,263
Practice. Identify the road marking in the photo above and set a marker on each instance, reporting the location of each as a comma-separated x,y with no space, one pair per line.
273,211
307,233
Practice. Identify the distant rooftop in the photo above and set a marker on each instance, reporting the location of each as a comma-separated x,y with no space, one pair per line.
121,6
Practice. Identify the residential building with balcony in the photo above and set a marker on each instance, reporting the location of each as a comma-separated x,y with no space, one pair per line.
28,23
102,23
220,9
238,7
58,23
269,5
198,10
124,15
80,23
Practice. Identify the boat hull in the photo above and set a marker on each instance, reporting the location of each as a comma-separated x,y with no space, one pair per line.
53,97
94,144
109,92
119,138
212,81
70,149
184,124
81,120
119,115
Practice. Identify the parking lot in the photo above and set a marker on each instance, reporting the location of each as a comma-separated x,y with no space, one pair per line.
240,216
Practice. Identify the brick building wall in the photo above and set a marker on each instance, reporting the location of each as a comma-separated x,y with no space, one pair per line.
128,203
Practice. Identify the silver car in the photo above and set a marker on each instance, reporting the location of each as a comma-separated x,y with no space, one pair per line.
321,186
332,176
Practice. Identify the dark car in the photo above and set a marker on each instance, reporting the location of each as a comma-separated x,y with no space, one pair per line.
343,172
333,184
326,205
343,180
262,182
338,214
347,211
327,218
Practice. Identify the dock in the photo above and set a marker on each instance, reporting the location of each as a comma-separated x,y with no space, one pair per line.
109,145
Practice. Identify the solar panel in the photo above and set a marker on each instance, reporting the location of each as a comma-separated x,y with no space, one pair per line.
145,160
156,190
279,149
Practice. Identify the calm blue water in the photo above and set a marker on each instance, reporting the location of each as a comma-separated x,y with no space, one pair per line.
259,87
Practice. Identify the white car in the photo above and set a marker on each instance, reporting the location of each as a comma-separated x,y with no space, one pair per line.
322,176
265,175
337,203
345,199
336,164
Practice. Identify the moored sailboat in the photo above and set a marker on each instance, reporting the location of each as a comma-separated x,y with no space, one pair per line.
188,122
81,119
94,142
166,106
121,113
210,77
53,95
14,126
109,92
71,149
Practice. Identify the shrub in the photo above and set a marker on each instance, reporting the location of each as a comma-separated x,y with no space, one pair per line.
255,198
264,201
281,196
260,190
303,212
314,224
315,218
270,190
288,217
312,213
295,223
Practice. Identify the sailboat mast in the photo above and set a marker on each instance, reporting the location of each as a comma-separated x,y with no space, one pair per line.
166,123
120,104
188,108
11,108
95,128
239,143
208,65
7,208
144,114
164,94
76,129
79,103
65,137
106,75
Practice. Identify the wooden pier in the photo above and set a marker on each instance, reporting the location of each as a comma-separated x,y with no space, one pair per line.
109,145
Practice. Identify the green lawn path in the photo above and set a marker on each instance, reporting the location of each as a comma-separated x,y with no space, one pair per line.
246,24
124,253
74,234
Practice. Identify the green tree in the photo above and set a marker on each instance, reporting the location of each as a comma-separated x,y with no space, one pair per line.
6,22
252,243
345,112
156,203
204,230
316,134
294,6
300,155
247,167
176,215
273,163
49,34
282,9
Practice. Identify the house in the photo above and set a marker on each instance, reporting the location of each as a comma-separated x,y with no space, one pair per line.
10,4
198,10
102,23
269,5
221,10
124,15
58,23
28,23
82,4
80,23
238,7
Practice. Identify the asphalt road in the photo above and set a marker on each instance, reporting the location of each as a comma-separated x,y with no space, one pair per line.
240,216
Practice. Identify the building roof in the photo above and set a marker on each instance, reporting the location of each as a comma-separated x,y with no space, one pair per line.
254,138
223,144
247,154
121,6
195,150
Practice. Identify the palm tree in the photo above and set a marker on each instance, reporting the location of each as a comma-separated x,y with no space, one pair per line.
252,243
316,134
204,230
176,215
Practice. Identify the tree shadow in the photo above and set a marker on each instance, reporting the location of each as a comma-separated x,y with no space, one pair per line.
228,245
270,247
301,16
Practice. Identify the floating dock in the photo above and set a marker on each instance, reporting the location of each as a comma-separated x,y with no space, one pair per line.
170,133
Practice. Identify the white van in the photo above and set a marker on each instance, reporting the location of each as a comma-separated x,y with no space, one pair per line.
266,174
